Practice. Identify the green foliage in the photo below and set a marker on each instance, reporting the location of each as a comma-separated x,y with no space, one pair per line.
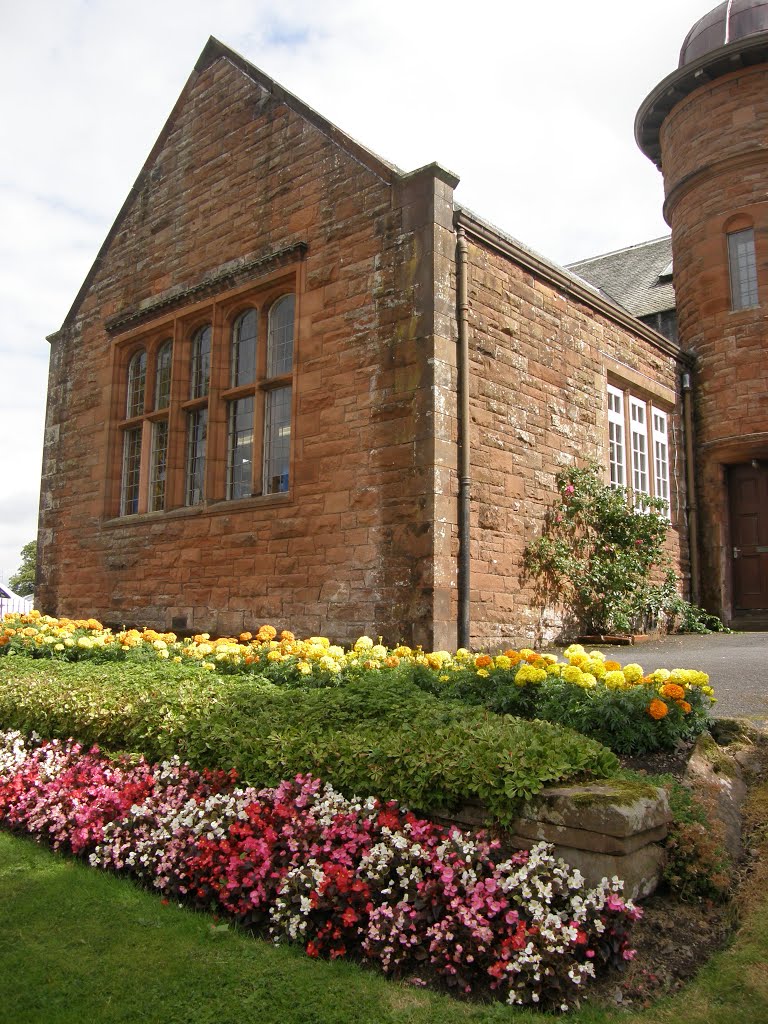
375,735
22,581
617,718
605,560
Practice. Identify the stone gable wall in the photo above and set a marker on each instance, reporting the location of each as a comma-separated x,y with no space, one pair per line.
348,549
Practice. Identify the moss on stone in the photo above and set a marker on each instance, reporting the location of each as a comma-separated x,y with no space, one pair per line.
617,792
719,761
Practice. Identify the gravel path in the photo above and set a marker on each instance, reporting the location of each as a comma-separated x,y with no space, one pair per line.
737,664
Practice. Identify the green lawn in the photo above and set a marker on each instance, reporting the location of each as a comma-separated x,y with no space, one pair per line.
78,945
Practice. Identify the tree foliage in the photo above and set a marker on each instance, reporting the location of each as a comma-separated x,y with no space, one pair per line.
22,581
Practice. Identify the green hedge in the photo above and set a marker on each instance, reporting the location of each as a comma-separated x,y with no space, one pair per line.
378,735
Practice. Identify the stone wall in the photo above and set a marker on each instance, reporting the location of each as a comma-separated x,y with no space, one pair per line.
240,173
541,360
714,164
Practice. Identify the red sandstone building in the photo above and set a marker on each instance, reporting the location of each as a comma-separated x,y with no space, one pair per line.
302,386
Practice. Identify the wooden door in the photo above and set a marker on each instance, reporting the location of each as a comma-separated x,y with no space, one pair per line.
748,495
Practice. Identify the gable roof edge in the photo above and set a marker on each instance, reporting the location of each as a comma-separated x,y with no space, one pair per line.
212,51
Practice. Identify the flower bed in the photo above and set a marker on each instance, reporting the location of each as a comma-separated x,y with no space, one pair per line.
620,706
343,877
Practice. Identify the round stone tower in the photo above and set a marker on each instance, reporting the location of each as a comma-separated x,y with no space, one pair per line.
706,128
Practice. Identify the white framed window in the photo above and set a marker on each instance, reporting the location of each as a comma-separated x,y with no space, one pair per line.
639,436
742,268
661,455
638,446
617,448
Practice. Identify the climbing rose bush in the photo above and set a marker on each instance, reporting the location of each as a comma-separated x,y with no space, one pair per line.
304,864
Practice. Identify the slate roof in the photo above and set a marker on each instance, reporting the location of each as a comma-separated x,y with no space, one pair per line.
639,278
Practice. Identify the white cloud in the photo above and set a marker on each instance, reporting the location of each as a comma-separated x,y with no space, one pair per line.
531,104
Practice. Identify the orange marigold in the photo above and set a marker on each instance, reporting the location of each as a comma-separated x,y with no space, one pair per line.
513,656
483,661
673,691
657,709
266,633
684,706
613,666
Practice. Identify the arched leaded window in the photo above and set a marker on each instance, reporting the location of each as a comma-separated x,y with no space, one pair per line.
137,384
243,349
277,407
200,364
280,337
163,376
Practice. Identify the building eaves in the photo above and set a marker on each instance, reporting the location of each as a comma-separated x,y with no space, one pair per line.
562,278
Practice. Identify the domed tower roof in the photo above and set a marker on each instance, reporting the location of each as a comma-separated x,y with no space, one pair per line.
727,23
733,35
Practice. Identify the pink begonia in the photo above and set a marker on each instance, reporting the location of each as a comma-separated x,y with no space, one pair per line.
339,875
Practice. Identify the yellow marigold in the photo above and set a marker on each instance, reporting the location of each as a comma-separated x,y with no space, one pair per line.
434,661
483,661
571,674
482,672
363,643
304,667
319,641
404,652
597,656
632,672
673,691
661,675
614,679
657,709
502,661
574,649
514,656
526,652
588,681
596,666
684,706
275,656
380,651
529,674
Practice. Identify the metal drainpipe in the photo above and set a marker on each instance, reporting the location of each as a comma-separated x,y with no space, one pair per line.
464,571
690,486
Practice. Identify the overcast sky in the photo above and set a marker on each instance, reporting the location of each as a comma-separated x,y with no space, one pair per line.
531,103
